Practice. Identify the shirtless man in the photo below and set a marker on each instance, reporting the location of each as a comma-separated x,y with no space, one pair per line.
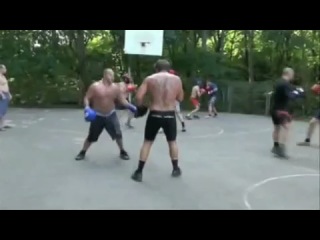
127,94
102,95
196,93
178,109
5,95
165,89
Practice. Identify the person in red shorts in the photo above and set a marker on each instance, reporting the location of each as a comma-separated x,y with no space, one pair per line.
196,93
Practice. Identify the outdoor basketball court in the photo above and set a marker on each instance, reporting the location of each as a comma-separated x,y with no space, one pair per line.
226,164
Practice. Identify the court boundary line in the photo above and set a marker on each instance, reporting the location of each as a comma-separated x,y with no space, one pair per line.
212,135
257,185
222,131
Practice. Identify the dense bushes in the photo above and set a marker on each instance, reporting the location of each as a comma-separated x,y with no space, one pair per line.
54,67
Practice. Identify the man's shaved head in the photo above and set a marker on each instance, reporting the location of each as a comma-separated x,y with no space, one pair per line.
108,71
108,75
288,70
288,73
162,65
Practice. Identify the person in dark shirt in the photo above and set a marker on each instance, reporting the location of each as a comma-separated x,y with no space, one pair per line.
312,125
212,91
284,92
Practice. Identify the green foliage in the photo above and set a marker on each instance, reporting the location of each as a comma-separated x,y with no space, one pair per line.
52,67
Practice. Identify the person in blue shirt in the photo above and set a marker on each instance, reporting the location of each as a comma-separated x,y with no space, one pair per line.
212,91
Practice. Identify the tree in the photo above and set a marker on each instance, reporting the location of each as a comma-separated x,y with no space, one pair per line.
49,66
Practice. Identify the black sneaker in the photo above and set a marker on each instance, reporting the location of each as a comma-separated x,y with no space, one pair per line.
80,156
176,172
137,176
124,155
196,117
188,118
184,130
279,152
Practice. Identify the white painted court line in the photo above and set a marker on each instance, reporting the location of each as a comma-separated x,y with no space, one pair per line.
221,131
255,186
65,119
43,146
250,132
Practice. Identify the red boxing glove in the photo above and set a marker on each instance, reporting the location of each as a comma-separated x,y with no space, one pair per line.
173,72
131,87
316,89
202,91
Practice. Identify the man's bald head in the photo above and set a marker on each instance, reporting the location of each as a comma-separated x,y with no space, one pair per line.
3,69
162,65
288,74
108,75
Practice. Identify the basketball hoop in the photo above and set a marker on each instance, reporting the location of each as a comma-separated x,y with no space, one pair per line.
143,44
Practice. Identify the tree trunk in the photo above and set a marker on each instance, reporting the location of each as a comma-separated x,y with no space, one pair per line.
287,43
221,35
204,39
250,55
81,57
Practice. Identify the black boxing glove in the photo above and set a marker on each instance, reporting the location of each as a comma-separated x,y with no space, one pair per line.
141,111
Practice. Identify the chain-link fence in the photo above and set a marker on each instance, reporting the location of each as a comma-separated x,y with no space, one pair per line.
238,97
254,98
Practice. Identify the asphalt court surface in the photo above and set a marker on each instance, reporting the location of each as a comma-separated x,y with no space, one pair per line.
226,164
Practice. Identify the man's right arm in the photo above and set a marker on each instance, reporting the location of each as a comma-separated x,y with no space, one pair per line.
180,96
88,96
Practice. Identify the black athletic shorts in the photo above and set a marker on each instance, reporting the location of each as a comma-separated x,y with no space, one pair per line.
280,117
165,120
110,123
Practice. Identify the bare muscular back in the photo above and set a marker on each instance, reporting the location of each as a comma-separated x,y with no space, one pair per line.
4,87
195,92
165,89
103,97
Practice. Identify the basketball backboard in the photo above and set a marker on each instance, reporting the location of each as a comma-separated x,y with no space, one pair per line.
144,42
